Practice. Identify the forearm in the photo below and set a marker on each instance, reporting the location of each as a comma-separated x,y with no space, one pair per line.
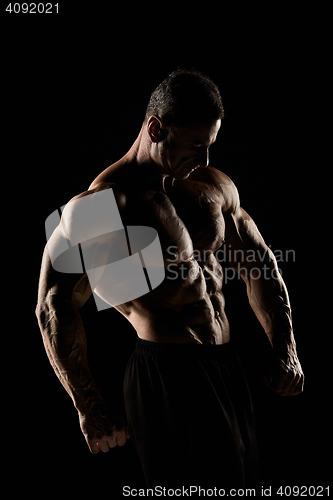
65,344
255,262
269,300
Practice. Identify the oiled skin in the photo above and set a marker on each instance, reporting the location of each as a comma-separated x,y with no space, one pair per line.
189,304
194,213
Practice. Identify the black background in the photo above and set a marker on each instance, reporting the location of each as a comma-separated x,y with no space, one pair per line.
74,101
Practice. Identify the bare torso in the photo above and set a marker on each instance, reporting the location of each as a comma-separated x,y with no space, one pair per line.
162,182
188,306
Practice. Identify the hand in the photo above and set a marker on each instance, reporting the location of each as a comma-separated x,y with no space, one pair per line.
103,429
286,376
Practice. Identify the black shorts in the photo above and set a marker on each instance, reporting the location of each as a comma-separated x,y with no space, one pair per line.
190,415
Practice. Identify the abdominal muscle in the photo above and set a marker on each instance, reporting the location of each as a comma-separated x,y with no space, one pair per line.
188,307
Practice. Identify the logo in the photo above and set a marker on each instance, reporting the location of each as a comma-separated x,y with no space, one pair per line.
87,236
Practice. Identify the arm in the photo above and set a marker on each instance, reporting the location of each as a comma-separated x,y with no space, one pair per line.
255,262
60,296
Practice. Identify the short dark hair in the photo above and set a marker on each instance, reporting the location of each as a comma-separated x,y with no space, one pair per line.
186,98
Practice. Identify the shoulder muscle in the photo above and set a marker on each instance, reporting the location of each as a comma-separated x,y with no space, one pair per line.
228,190
90,227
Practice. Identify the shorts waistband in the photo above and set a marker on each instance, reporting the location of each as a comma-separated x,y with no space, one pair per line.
189,349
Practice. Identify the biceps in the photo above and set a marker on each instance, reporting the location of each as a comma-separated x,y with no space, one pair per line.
245,245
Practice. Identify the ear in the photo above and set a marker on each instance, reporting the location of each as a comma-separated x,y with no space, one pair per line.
156,129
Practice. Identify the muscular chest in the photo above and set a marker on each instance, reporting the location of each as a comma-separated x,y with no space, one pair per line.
199,207
188,219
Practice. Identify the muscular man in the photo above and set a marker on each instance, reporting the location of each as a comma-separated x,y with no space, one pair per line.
188,409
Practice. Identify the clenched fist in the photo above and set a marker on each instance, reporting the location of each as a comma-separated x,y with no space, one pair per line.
103,429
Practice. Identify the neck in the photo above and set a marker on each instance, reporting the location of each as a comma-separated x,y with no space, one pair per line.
141,155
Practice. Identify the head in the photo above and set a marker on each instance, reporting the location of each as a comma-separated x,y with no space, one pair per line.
182,120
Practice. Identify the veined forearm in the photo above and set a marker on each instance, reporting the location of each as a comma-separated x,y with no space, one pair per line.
65,344
269,300
268,297
267,293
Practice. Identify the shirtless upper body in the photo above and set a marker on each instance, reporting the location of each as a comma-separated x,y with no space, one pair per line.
164,182
188,306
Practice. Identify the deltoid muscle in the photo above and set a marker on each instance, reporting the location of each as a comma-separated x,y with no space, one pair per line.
91,238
